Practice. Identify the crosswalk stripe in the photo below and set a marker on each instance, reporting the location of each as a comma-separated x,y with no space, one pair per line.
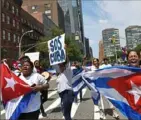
96,113
2,112
52,106
49,95
76,105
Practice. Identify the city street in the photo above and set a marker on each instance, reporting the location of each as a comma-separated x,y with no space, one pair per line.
81,110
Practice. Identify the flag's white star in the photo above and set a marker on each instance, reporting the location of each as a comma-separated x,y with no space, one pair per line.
10,83
136,91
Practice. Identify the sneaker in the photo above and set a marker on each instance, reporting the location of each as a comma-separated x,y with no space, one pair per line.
115,114
102,115
44,114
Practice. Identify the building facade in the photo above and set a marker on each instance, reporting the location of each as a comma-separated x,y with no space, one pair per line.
101,51
14,23
47,22
87,47
28,23
49,7
109,47
10,27
133,36
67,8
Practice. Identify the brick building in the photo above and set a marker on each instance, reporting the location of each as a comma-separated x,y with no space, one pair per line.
49,7
14,22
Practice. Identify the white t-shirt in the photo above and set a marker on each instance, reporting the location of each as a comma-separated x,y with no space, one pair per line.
64,80
34,78
93,68
104,66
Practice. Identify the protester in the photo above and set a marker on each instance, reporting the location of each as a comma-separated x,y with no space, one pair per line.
64,86
44,93
105,64
38,83
115,114
95,64
37,67
76,68
133,58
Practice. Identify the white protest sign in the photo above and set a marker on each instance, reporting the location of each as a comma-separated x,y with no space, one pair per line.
33,56
57,53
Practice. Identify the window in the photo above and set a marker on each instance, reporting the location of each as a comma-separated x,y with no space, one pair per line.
13,9
3,34
22,30
8,20
3,3
34,8
47,5
47,11
14,23
18,39
3,17
14,38
17,25
9,36
7,5
49,16
17,12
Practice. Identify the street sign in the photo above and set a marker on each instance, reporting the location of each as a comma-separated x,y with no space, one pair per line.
57,53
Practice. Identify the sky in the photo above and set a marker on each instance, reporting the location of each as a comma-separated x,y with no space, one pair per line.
101,14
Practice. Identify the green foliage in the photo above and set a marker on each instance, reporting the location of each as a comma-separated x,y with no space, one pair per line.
138,48
3,52
73,51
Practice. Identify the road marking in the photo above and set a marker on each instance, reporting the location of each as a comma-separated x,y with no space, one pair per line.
76,105
96,113
2,112
102,105
52,106
49,95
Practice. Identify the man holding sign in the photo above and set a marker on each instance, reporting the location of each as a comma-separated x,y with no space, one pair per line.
58,58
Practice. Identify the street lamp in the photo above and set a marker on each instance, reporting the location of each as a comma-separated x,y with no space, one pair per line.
20,41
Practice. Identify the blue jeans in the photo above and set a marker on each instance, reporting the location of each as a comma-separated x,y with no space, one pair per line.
67,98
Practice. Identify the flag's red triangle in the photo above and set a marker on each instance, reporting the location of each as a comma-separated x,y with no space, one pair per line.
123,85
20,88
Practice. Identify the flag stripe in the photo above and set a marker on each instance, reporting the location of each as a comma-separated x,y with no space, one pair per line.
22,105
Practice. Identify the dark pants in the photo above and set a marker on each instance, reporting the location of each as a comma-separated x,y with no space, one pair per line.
44,97
30,116
67,98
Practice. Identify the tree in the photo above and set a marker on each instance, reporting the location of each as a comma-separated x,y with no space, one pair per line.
138,48
72,49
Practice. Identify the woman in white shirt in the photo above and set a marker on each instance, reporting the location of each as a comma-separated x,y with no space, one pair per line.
38,83
64,85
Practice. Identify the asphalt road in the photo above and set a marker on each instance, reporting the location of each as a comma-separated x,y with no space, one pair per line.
80,110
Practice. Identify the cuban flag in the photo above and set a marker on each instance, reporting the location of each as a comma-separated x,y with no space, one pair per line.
77,82
16,94
121,86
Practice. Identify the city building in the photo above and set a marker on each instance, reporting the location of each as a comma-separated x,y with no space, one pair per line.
49,7
47,22
87,48
91,52
109,47
67,8
101,51
14,23
10,27
28,23
133,36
